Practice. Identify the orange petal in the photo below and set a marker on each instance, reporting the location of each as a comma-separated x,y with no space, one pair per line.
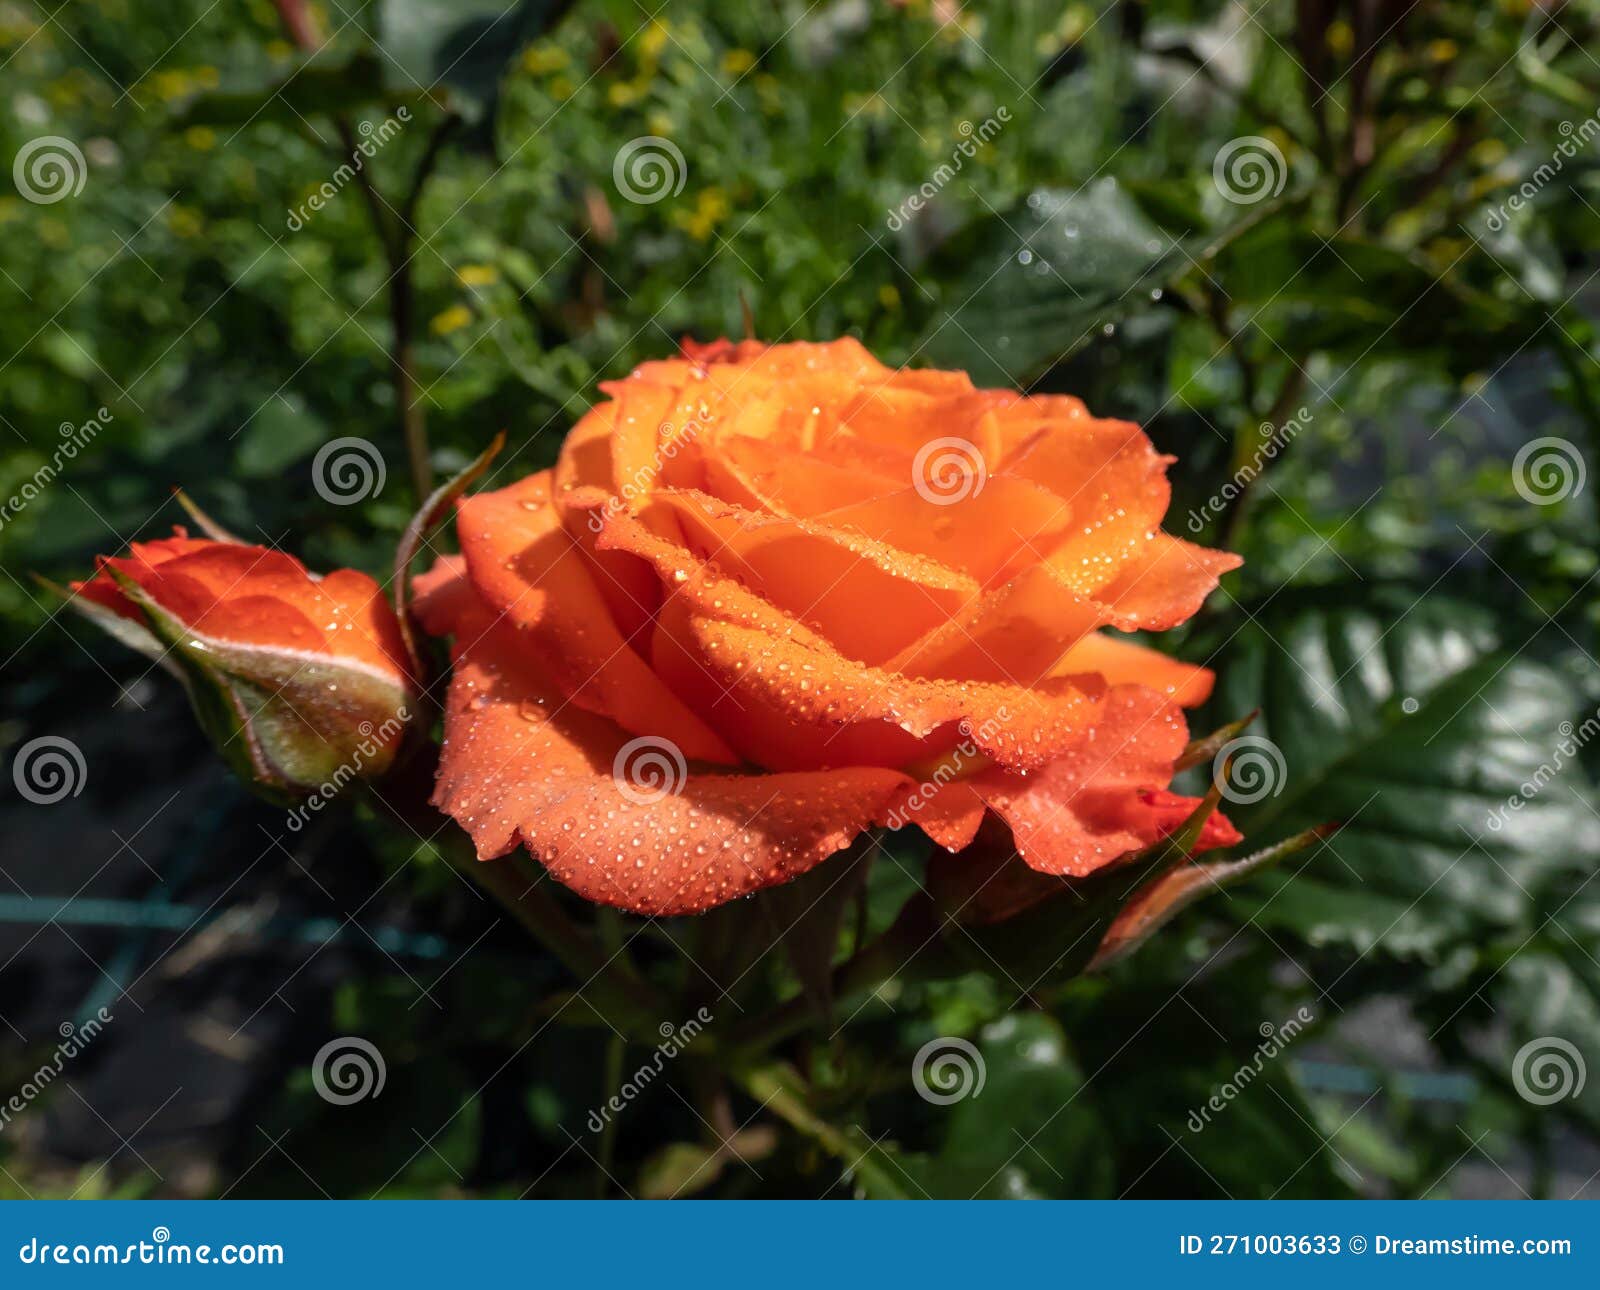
788,699
1106,798
526,565
518,765
866,597
1122,662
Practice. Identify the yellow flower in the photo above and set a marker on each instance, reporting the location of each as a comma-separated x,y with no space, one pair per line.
452,319
736,62
542,59
654,38
184,221
208,77
1442,51
171,84
889,297
622,93
202,138
1341,39
560,88
711,207
477,275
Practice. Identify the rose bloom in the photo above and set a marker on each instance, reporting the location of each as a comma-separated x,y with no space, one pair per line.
299,678
771,597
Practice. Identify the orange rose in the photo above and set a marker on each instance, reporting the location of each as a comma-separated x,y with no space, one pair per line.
302,681
768,598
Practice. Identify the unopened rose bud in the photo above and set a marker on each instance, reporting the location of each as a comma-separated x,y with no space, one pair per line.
302,681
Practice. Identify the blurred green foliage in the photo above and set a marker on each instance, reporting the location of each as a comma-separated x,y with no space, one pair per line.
1408,303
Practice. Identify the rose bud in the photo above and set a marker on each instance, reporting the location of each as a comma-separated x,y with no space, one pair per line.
302,681
770,598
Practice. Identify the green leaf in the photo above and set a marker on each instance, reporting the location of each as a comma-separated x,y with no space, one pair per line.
1413,721
462,44
280,434
809,913
686,1168
1023,1126
323,85
1036,283
1348,293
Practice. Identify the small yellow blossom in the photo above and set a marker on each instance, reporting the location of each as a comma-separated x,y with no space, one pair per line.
173,84
184,221
477,275
560,88
889,297
736,62
202,138
654,38
452,319
622,94
711,207
540,60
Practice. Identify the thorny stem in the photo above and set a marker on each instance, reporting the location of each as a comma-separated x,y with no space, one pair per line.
396,239
891,954
1245,444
